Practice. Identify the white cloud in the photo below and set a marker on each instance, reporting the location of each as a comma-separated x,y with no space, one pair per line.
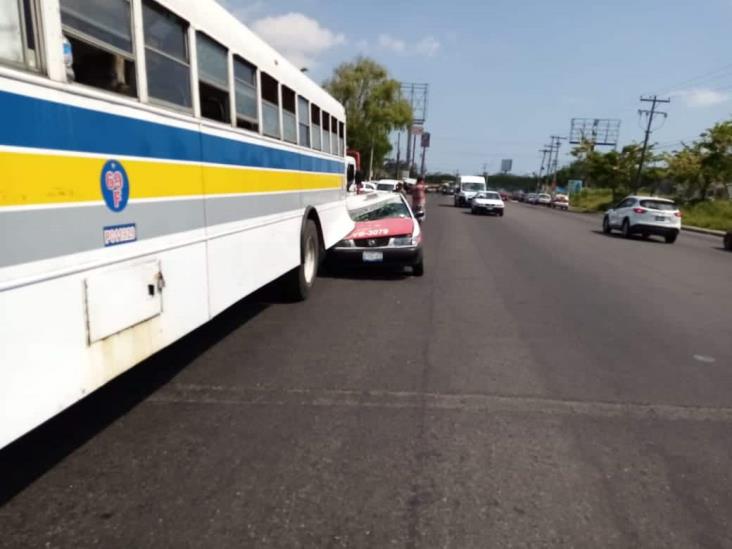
701,97
390,43
427,47
298,37
247,11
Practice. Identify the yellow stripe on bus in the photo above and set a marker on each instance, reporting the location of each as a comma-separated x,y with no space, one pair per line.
31,179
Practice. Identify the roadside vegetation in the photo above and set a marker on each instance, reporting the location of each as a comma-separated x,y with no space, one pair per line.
592,200
709,215
696,176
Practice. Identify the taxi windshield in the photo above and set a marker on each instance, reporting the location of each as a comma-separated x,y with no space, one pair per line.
384,210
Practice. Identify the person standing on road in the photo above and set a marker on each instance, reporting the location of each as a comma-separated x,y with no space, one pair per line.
419,197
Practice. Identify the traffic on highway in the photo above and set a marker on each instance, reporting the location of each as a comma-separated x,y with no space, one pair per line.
258,290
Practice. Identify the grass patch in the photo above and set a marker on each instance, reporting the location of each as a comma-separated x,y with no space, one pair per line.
592,200
709,215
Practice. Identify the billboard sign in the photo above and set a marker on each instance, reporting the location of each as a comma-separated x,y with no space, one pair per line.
575,185
597,131
506,165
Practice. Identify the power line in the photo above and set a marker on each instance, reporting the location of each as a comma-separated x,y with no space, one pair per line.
715,74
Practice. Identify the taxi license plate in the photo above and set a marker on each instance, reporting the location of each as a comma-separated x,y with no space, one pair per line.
373,257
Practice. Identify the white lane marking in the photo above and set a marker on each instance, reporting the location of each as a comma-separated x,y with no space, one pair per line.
705,359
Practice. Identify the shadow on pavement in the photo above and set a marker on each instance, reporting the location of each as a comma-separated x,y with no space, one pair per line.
468,212
365,272
634,238
40,450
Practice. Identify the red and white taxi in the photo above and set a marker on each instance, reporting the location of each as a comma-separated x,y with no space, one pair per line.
386,233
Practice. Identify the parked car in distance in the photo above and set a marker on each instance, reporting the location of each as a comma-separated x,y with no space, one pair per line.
644,215
544,199
368,187
386,233
560,202
388,185
447,188
468,187
488,202
518,196
504,196
531,198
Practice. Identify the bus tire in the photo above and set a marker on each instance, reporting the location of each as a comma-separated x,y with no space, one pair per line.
299,281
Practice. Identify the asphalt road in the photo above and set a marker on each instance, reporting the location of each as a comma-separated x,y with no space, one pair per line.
543,385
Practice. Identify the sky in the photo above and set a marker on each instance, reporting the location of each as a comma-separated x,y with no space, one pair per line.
504,75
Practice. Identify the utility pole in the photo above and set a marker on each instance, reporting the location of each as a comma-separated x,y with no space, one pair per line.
421,171
544,152
649,128
399,153
556,144
414,154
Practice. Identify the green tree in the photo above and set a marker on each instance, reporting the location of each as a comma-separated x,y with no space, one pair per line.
707,161
374,107
715,149
684,168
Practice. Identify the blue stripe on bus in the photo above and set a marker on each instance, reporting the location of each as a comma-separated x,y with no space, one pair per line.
37,123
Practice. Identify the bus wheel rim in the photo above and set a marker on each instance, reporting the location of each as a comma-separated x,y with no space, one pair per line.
310,260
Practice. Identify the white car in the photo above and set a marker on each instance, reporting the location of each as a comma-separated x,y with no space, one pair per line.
544,199
487,202
368,187
560,202
388,185
644,215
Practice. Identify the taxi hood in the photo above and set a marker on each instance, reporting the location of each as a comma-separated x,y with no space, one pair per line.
395,226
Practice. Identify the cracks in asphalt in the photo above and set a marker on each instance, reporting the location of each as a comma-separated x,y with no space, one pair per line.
428,401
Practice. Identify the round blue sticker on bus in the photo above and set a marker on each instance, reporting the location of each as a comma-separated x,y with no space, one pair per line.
115,186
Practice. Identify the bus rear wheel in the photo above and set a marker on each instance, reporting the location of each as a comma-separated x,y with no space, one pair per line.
299,281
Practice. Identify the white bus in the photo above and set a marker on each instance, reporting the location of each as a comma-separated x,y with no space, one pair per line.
158,162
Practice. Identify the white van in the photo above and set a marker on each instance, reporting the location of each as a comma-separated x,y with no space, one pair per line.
468,187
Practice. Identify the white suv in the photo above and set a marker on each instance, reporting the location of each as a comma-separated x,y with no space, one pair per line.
644,215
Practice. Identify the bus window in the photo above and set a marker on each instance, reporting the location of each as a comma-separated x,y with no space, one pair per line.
100,33
18,33
341,132
213,79
289,120
11,33
326,132
303,111
315,119
334,135
270,106
245,84
166,51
